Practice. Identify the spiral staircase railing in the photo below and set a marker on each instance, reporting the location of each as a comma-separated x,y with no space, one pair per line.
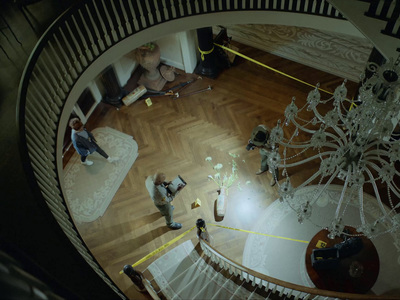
279,288
386,10
79,37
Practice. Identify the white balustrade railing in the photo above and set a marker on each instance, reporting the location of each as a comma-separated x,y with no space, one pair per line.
275,286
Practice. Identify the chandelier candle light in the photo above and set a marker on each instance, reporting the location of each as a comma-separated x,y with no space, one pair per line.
358,144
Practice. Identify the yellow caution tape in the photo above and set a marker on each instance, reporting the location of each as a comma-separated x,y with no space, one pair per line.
161,248
205,52
274,236
352,105
270,68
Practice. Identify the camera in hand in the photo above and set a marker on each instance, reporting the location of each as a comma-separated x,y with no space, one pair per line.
250,146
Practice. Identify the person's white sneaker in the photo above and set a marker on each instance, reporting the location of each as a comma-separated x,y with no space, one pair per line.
87,162
112,159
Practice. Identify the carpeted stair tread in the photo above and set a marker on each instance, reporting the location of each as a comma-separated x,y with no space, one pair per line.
211,289
204,280
183,274
180,282
173,263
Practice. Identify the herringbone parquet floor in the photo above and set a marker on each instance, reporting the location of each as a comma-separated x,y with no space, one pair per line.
175,136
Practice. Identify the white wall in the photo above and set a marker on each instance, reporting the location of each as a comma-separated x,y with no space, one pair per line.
179,50
171,53
124,67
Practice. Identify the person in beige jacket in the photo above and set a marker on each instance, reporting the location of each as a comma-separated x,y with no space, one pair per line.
157,188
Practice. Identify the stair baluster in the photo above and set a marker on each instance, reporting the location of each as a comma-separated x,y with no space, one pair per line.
393,20
260,284
307,297
289,295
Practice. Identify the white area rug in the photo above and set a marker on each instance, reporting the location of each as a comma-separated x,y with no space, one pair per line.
285,259
90,189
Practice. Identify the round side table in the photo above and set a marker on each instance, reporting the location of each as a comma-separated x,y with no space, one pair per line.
354,274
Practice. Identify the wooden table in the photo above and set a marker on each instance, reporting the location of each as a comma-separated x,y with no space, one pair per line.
339,279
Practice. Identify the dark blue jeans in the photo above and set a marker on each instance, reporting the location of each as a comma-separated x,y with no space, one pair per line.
98,150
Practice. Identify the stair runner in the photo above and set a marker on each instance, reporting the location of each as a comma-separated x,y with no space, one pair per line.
183,274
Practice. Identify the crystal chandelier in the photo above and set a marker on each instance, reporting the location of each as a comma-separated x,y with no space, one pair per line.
354,145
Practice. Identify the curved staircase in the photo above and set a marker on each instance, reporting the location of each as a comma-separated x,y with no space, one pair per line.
378,20
201,272
183,273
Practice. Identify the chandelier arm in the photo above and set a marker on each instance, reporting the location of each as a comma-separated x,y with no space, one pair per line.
395,190
289,142
317,114
339,132
379,142
309,179
285,140
329,181
361,201
339,112
386,144
374,166
374,158
338,140
291,146
303,128
378,197
377,152
370,158
343,192
306,159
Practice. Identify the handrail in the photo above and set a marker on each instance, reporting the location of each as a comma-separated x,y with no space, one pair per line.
386,10
284,287
69,47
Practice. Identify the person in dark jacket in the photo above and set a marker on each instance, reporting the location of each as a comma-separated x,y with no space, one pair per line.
260,139
85,143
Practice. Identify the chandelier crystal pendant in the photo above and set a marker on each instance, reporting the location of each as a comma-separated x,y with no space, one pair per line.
353,144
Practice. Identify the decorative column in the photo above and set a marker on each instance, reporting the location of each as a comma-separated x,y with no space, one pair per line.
113,91
208,60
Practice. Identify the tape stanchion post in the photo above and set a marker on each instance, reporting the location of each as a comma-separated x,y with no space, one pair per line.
160,248
264,234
